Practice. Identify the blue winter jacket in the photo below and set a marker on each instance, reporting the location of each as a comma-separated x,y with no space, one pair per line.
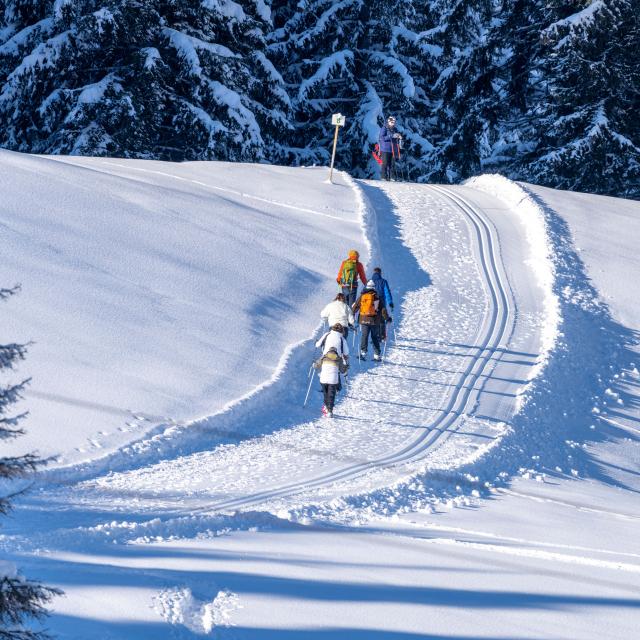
382,289
386,142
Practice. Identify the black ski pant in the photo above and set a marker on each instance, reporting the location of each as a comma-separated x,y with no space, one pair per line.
388,165
329,391
372,330
350,295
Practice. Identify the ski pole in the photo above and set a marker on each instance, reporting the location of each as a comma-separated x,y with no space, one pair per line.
384,350
313,375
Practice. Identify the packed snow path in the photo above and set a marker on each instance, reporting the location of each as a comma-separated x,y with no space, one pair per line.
463,350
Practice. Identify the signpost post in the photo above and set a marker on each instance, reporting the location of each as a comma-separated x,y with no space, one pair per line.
338,120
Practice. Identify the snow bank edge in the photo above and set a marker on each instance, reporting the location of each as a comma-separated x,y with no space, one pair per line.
540,259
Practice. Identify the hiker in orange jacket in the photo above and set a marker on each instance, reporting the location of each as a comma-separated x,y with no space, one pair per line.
350,270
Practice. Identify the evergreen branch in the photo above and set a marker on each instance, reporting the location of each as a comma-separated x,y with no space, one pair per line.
20,466
9,353
11,394
7,293
20,599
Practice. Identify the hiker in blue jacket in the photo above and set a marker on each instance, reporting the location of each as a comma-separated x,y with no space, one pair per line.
389,141
384,294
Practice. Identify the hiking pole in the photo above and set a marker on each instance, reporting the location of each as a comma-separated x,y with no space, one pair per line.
313,375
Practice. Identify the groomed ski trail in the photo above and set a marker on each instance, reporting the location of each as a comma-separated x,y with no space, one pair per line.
464,352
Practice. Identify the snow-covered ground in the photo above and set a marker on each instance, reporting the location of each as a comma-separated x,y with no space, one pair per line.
480,483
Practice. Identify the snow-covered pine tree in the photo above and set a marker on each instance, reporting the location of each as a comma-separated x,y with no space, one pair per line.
165,79
515,46
588,134
20,599
363,59
467,92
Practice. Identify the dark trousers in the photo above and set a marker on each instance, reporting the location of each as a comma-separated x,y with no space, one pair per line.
388,165
372,330
350,294
329,391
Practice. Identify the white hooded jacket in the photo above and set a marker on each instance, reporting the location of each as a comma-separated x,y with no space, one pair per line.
333,339
338,311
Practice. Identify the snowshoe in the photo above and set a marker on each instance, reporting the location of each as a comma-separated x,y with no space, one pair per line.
377,357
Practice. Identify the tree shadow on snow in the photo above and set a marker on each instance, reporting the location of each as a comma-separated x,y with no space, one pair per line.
205,582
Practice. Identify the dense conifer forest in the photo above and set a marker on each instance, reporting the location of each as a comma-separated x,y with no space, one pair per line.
546,91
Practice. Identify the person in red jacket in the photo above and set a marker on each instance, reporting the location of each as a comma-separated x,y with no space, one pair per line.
350,270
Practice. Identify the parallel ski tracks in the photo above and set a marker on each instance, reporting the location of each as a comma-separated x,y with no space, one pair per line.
463,395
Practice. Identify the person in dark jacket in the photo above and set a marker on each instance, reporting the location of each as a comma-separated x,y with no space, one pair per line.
389,141
372,316
384,293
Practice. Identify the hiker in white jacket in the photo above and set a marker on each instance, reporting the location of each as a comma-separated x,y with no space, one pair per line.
339,312
334,340
331,366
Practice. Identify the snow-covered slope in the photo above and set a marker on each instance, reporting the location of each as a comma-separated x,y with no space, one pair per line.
156,292
508,390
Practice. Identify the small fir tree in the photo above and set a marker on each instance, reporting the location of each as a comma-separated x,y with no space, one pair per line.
20,599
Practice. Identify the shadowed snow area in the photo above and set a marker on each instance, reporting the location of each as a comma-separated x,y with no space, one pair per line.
481,483
155,291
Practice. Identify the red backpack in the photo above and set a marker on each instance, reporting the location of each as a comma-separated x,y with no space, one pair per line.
376,154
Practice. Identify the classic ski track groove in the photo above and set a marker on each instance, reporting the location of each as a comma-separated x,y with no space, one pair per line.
437,432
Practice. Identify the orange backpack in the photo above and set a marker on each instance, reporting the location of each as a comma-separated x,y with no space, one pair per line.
369,304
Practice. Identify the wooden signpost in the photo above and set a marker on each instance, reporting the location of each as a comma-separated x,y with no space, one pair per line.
338,120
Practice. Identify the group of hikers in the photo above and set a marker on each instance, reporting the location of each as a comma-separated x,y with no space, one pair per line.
371,308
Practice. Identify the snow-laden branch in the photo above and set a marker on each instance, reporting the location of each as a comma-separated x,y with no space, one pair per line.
322,22
581,19
408,87
418,38
274,76
187,46
237,111
12,46
339,59
45,55
371,111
